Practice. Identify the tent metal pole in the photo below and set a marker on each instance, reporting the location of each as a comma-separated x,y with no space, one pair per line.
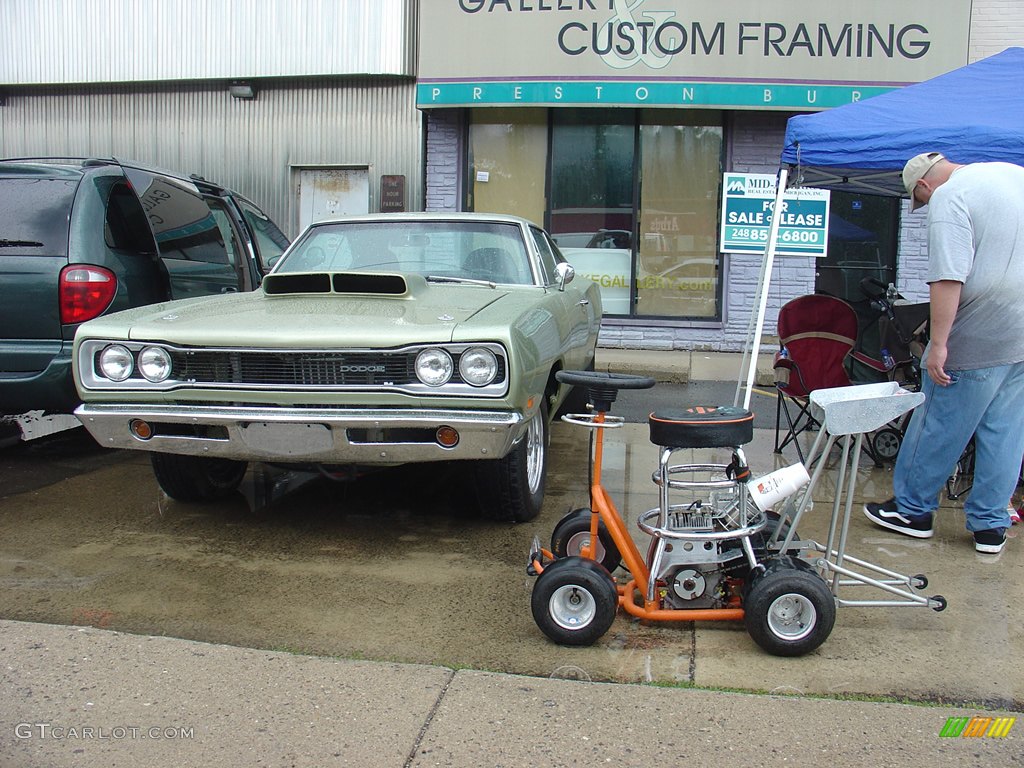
766,278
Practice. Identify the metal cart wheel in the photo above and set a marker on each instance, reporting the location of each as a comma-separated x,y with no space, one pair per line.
789,611
574,601
886,443
573,533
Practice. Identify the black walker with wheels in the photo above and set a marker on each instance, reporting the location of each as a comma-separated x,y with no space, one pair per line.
713,553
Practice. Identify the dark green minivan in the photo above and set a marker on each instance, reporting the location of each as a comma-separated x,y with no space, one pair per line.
84,237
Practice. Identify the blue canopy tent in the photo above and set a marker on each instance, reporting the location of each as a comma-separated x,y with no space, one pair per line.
972,114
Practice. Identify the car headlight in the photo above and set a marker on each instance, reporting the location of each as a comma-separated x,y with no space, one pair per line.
116,362
434,367
155,364
478,366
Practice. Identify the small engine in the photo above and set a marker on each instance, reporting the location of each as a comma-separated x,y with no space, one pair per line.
695,587
693,572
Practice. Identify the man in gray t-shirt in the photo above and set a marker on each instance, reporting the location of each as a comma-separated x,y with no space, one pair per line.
975,359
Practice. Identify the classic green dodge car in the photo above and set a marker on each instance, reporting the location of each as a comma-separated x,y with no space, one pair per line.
375,340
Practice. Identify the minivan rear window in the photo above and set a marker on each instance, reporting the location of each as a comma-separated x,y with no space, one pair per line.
35,215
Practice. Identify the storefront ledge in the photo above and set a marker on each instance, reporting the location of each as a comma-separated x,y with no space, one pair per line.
682,366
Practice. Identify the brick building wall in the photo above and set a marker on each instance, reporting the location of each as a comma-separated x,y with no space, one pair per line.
995,26
444,144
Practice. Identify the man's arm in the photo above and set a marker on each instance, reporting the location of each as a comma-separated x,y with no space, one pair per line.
945,298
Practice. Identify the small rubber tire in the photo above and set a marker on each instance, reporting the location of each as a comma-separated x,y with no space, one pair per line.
574,601
197,478
789,611
885,444
511,489
920,581
941,603
573,532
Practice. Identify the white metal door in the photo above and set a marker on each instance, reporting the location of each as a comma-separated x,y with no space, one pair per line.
328,192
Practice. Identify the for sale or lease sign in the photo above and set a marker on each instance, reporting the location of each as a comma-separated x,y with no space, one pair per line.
748,207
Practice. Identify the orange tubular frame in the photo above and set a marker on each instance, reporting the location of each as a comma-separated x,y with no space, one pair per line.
603,508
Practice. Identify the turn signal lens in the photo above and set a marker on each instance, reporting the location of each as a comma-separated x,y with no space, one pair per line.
447,437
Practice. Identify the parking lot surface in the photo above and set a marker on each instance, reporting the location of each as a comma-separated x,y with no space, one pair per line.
372,623
387,568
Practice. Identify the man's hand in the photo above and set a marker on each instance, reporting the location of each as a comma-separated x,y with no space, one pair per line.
936,364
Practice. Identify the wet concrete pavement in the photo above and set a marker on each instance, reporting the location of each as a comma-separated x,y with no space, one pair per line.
384,570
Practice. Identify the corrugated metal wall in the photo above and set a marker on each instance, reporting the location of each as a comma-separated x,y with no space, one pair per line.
110,41
255,147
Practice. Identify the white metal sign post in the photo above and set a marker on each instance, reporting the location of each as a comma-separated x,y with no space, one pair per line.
753,347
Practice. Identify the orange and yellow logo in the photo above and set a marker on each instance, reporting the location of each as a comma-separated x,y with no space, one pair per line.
977,727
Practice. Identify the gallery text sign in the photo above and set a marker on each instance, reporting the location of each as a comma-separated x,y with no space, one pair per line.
748,205
797,55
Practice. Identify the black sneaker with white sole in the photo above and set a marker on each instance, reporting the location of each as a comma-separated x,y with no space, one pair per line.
990,542
888,516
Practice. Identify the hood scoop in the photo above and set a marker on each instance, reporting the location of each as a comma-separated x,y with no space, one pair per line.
337,282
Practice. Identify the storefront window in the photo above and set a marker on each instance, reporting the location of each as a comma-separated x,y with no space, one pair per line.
681,169
592,213
632,197
508,162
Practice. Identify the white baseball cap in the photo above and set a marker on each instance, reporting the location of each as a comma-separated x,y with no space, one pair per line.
914,171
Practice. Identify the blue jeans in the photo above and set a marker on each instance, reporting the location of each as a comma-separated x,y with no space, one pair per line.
987,403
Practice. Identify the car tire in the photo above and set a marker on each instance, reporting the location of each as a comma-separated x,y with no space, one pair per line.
511,489
197,478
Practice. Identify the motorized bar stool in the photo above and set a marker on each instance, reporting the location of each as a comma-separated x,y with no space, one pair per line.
715,506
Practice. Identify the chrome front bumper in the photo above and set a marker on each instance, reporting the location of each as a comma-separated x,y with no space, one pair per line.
296,435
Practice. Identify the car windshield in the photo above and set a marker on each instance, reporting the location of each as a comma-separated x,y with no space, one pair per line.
453,250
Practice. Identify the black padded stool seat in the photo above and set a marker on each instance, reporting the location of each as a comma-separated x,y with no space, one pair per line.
722,426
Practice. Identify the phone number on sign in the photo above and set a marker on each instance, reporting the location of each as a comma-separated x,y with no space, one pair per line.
785,235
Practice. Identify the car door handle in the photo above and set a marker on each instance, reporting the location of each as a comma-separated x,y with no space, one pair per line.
583,302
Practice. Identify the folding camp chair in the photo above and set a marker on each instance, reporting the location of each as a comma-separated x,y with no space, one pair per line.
816,334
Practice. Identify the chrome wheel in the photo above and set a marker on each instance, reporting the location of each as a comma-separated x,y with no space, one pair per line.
789,610
535,447
792,617
576,543
572,607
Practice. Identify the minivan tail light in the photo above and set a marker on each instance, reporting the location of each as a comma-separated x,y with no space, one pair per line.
85,292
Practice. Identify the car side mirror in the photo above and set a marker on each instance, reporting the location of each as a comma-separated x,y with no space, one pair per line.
564,274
